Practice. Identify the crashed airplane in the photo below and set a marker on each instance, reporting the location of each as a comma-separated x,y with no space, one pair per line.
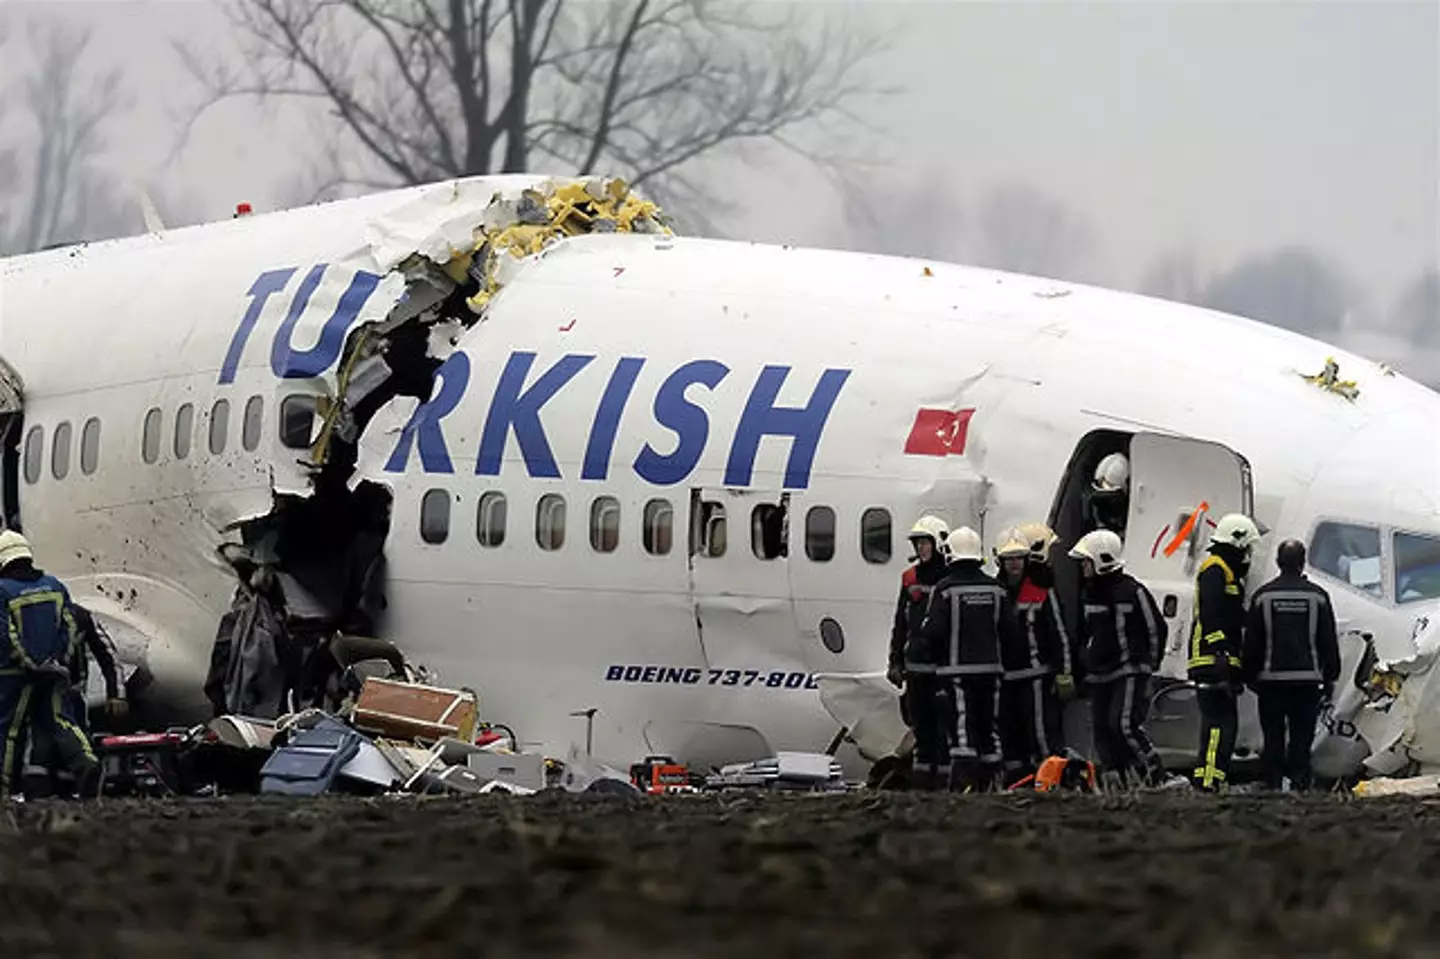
508,423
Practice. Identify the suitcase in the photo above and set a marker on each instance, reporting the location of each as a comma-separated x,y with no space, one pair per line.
409,711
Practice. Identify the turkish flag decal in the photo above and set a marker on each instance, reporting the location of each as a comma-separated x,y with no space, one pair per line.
938,432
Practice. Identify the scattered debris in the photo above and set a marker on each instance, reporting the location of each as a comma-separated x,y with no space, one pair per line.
1329,379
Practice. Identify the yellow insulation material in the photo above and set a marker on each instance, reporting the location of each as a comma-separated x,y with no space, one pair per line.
541,217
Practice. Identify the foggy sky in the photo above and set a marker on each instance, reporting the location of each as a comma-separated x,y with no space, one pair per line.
1229,128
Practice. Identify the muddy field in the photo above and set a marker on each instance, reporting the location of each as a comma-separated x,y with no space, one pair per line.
859,875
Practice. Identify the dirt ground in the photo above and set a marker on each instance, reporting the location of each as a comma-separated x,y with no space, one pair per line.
859,875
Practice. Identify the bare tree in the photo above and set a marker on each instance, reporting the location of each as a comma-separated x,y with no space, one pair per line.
1294,287
54,189
447,88
1176,276
920,218
1416,314
1020,228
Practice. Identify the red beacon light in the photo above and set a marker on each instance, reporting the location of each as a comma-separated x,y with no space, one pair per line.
242,209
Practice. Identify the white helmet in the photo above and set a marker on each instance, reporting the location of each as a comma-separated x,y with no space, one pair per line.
1010,544
1101,547
1236,529
930,526
965,543
1113,473
13,546
1040,538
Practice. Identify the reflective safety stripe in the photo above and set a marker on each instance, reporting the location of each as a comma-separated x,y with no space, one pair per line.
1206,660
962,739
1037,697
58,714
1232,589
1290,675
1209,774
12,741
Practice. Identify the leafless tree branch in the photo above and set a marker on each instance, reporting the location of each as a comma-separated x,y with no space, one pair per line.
644,89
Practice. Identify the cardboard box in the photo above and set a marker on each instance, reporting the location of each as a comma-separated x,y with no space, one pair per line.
409,711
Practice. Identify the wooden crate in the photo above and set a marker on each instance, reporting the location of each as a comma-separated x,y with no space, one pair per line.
409,711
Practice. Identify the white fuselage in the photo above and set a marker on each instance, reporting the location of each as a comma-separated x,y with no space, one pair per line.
619,379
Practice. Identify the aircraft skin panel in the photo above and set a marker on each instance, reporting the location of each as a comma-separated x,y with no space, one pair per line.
700,355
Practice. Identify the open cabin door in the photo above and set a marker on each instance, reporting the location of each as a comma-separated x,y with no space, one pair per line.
1172,479
12,424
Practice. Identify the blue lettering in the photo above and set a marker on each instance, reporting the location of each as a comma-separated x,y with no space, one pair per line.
289,363
649,674
692,676
632,674
673,674
614,674
607,418
424,425
763,418
522,410
266,285
794,680
686,420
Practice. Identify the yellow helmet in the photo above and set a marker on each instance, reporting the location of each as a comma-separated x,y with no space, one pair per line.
1039,538
1010,544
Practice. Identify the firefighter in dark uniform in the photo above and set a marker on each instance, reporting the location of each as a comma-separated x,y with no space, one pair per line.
35,664
910,663
1216,645
1030,723
1292,659
969,620
1124,635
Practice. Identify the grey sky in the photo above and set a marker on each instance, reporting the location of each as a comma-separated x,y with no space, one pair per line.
1227,127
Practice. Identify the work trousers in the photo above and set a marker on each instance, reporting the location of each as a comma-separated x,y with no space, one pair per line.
1118,709
1219,720
38,707
1288,712
974,750
929,713
1030,725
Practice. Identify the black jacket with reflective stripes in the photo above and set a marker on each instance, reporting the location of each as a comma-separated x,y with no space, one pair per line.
1041,645
969,620
1215,636
1290,635
906,647
1123,629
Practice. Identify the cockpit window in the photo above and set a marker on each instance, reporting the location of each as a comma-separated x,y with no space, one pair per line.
1417,567
1351,553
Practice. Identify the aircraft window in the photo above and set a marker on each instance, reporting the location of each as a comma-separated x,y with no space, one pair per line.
435,516
550,521
659,527
490,519
820,534
767,531
1417,567
34,453
60,451
297,421
253,424
219,426
709,529
184,426
150,438
605,524
1349,552
875,538
90,446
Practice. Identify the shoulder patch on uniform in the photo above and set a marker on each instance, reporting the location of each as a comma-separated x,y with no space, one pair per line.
1030,593
909,577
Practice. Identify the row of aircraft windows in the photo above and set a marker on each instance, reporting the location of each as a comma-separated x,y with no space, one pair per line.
296,421
657,527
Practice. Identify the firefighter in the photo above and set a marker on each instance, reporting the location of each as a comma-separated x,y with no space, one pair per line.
1215,645
116,708
1124,636
911,665
1109,501
1041,572
970,617
1292,658
1030,727
35,668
